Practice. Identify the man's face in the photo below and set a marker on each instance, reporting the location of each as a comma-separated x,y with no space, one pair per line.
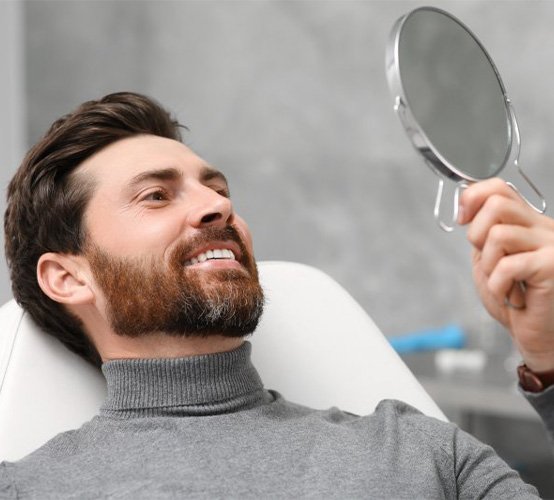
166,250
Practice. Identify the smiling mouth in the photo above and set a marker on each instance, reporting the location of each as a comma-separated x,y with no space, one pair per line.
215,254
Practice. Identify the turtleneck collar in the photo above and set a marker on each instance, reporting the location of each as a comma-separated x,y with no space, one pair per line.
197,385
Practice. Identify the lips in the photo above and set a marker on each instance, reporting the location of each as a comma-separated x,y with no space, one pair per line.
214,254
213,244
214,250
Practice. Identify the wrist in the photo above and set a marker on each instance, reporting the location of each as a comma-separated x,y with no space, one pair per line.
540,363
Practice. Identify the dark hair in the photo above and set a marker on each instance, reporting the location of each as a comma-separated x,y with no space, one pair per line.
46,202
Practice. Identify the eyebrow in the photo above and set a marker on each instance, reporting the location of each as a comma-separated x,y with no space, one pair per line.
172,174
210,173
162,174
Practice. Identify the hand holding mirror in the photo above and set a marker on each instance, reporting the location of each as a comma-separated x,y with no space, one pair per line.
453,105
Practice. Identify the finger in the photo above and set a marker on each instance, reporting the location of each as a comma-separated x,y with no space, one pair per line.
476,195
515,298
507,239
498,209
506,274
496,309
535,268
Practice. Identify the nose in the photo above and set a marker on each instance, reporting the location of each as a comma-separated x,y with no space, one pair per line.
210,208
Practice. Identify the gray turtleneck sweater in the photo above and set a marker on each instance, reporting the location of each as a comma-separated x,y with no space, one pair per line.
204,427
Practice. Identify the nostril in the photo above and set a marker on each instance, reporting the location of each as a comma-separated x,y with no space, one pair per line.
210,218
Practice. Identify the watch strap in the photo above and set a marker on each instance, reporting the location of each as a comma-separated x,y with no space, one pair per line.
531,381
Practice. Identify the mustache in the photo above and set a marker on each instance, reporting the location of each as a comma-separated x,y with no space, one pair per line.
207,235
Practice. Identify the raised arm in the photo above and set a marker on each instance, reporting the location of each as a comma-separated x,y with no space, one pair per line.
514,245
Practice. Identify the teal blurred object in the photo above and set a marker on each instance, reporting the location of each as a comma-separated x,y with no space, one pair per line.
448,337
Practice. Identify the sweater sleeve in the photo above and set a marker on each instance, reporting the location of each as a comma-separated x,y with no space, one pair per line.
481,473
543,402
7,487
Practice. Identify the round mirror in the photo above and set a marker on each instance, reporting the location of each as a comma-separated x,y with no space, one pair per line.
451,100
454,93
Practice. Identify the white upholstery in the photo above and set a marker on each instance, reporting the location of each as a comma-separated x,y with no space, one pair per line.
315,345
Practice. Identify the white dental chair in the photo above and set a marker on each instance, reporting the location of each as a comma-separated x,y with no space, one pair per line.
315,345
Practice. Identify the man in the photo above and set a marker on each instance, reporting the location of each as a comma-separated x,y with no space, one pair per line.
124,244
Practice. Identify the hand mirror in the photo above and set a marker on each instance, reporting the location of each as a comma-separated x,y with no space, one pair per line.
453,105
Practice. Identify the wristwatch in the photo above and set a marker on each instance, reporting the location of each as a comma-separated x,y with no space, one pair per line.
534,382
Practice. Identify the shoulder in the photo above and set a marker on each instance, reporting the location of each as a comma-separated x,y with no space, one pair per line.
415,429
7,485
476,465
48,461
62,445
389,413
405,418
391,421
407,433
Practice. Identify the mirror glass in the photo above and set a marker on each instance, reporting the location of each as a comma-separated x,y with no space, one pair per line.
453,105
454,92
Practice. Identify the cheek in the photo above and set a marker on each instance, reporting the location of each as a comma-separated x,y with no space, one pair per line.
123,235
244,231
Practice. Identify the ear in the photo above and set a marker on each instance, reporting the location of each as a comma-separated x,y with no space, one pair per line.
63,279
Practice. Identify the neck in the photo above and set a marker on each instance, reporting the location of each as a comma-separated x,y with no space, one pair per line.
192,386
160,345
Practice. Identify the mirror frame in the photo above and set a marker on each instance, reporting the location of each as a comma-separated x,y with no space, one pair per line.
432,157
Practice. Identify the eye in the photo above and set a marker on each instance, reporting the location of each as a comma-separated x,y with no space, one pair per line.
157,195
222,191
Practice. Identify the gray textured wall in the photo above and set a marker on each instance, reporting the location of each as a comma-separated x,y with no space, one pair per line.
290,100
12,120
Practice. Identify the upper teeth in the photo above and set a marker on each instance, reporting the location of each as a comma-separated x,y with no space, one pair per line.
218,253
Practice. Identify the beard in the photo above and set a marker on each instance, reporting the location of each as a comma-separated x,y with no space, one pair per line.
144,296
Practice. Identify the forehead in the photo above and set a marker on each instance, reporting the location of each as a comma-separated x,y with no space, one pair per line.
118,163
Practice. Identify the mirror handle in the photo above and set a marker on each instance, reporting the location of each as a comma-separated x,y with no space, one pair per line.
517,137
542,208
459,187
